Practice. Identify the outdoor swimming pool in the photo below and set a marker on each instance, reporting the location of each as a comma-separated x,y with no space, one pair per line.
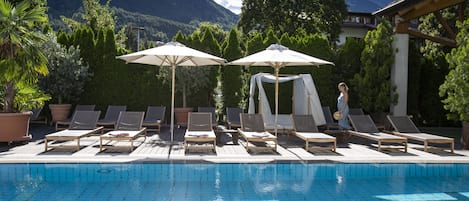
202,181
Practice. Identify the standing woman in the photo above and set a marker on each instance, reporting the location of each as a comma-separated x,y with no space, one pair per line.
342,106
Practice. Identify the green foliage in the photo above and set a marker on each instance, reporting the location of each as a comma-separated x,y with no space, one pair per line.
347,64
232,77
98,16
191,81
67,71
29,97
373,82
455,89
22,60
285,16
427,70
216,30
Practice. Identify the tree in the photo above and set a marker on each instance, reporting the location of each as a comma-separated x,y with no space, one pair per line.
98,16
189,80
434,68
286,16
348,64
373,82
455,89
232,80
217,31
22,59
67,71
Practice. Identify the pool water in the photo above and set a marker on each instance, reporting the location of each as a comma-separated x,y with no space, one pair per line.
202,181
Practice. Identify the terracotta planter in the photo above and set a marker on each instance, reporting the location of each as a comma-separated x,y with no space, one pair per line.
14,127
182,115
59,111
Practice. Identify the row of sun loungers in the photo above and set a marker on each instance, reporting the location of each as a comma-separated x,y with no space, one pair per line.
200,131
152,120
84,123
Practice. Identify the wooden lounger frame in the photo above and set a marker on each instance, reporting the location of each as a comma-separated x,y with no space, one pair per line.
110,136
62,136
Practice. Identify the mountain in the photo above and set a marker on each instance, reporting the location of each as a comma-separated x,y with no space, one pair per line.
161,18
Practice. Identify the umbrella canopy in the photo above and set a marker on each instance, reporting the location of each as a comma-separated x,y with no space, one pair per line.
278,56
172,54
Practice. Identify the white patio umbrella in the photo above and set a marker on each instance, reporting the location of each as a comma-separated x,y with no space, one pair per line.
172,54
278,56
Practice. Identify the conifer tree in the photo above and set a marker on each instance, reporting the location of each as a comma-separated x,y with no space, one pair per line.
232,80
455,89
373,82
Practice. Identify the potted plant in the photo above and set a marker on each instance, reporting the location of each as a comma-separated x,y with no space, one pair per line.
67,76
455,89
21,63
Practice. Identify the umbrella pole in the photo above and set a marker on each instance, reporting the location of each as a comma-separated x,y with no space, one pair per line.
277,69
173,78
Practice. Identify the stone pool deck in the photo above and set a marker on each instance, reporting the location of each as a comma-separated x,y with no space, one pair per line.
157,148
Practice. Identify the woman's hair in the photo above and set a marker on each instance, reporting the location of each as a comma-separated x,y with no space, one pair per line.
343,84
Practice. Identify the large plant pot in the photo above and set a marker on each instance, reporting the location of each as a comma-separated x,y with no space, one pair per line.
182,115
465,134
14,127
59,111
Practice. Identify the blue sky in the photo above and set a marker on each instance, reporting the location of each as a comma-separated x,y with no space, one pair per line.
233,5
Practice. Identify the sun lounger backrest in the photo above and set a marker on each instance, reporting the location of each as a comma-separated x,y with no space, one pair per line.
113,111
84,120
155,113
327,114
356,111
130,121
36,112
304,123
85,107
199,121
403,124
252,122
211,110
363,124
232,115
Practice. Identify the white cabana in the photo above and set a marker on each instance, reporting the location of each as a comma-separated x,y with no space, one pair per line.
305,100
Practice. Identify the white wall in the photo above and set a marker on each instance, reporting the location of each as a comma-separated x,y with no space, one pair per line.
351,32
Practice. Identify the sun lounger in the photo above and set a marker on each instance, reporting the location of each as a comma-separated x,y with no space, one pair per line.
284,124
154,117
356,111
128,128
36,117
112,114
306,129
63,124
359,111
330,123
252,131
210,110
365,128
404,127
232,117
199,131
82,125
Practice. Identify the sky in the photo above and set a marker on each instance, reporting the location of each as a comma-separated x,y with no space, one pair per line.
233,5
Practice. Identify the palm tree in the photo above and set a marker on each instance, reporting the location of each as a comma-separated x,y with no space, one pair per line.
21,59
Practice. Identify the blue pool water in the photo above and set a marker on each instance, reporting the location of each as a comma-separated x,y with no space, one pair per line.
275,181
